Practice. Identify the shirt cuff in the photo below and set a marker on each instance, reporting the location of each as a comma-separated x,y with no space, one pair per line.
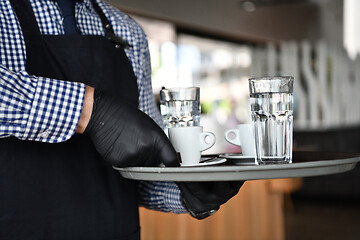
55,111
161,196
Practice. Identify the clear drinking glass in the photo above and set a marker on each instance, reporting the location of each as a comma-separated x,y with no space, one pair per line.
271,101
180,107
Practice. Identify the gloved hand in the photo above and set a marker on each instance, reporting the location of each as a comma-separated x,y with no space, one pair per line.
125,136
202,199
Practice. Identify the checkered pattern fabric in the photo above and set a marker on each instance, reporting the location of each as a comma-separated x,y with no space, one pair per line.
48,110
160,196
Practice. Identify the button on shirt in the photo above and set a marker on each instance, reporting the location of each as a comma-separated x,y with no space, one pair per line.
48,110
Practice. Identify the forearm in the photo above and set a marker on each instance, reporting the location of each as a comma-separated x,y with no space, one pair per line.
86,109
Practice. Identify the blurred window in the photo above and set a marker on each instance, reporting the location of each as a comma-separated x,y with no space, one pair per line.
220,68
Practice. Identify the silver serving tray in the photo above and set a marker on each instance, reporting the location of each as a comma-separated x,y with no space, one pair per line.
305,164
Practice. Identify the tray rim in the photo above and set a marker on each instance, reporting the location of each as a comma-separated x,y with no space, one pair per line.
253,172
239,167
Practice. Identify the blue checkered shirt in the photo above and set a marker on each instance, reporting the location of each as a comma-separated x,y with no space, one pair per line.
35,108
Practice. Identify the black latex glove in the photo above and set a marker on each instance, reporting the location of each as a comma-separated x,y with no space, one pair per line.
125,136
202,199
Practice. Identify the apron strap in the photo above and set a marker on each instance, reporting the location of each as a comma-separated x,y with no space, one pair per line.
109,31
29,24
26,17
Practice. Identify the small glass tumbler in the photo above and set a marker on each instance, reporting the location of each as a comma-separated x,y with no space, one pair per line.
180,107
271,100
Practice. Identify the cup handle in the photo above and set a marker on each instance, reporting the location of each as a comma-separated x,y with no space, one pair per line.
206,144
236,141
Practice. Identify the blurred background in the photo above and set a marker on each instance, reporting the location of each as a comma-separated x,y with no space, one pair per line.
217,46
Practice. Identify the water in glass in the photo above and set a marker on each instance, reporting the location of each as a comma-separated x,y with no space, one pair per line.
272,116
180,113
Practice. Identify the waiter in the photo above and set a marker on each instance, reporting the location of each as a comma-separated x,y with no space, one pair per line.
76,99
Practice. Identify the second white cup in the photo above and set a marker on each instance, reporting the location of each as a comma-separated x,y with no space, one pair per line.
189,142
242,136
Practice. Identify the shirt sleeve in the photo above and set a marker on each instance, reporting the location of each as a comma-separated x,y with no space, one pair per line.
37,108
161,196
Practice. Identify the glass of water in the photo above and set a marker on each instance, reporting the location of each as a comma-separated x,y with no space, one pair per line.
271,101
180,107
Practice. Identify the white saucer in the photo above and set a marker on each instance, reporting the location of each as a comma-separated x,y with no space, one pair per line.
239,159
208,162
236,156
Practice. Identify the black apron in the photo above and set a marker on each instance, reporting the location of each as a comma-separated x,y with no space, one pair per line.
64,190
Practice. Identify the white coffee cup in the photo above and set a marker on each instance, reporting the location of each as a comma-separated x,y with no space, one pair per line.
189,142
242,136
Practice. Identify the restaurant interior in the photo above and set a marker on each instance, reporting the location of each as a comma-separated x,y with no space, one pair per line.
218,46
